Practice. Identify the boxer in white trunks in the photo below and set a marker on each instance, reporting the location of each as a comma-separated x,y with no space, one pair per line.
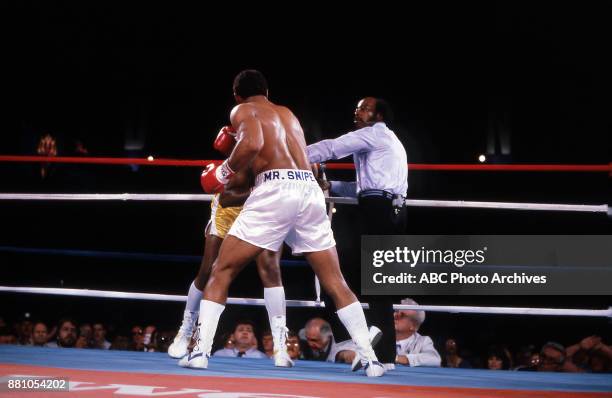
225,208
285,205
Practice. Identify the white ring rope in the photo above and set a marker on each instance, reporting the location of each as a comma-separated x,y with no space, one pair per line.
339,200
306,303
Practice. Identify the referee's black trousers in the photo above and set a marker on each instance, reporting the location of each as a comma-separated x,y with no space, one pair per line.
377,217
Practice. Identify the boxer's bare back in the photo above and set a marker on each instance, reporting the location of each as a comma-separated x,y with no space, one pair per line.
271,137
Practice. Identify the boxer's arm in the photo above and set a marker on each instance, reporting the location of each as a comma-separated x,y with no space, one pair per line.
237,190
249,136
354,142
231,198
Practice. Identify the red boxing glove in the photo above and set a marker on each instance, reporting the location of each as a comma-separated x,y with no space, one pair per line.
214,178
226,140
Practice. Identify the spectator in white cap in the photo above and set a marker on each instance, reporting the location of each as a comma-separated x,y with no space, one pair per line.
413,349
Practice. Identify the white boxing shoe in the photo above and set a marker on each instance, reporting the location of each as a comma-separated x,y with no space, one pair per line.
366,358
279,336
282,359
389,366
375,336
179,347
196,359
374,369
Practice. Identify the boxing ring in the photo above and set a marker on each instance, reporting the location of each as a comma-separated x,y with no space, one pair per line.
96,373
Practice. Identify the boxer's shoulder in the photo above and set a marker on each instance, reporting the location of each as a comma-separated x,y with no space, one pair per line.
246,108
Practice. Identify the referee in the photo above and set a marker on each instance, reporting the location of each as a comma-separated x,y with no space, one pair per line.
380,186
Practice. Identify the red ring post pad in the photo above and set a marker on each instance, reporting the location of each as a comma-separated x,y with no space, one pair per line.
592,168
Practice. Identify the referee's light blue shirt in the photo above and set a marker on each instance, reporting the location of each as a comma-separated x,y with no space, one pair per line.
379,156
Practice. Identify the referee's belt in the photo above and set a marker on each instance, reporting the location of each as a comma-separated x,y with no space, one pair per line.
398,200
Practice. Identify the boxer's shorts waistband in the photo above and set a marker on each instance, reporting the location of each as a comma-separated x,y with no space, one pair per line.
287,175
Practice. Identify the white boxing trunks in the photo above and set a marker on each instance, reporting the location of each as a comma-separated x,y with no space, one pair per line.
285,205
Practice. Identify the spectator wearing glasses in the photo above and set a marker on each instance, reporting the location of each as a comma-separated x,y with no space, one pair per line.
553,358
293,346
413,349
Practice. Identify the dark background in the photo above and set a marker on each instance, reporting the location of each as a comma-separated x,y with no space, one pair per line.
138,79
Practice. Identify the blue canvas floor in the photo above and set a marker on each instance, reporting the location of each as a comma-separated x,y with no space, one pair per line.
159,363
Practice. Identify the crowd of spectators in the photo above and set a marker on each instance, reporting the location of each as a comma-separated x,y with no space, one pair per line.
315,341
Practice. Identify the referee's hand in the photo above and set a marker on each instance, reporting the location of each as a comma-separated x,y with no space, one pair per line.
324,184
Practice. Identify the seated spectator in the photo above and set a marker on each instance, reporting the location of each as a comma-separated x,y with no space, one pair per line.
526,358
293,346
66,334
245,343
321,345
600,361
591,354
413,349
40,334
99,337
137,343
120,343
453,358
85,339
150,339
267,343
554,359
24,330
497,359
6,336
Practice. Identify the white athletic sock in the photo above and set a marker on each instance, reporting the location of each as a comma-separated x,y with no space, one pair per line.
274,298
188,323
193,299
210,312
275,301
354,321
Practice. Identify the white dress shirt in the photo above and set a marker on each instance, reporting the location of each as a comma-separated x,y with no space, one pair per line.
233,352
379,156
420,351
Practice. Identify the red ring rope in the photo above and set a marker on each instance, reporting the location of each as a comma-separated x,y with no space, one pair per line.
331,166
